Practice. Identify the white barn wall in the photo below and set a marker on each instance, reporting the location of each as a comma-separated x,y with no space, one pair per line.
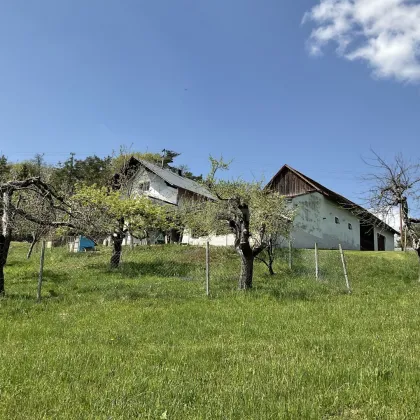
389,238
307,228
334,233
315,222
214,240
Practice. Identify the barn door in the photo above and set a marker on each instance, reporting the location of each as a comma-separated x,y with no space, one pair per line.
381,242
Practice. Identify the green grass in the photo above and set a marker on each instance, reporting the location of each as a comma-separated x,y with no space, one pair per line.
145,342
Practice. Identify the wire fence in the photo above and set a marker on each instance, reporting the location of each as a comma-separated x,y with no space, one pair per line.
177,270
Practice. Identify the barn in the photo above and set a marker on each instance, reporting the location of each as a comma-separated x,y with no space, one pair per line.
328,218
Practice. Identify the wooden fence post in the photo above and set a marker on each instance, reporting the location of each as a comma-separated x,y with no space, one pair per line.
316,262
41,271
343,261
207,268
290,254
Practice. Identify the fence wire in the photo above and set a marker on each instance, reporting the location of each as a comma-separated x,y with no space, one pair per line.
169,271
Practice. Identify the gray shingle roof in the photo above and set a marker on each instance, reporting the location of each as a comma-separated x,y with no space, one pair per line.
176,180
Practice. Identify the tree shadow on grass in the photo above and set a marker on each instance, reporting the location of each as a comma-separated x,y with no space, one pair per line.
169,269
18,296
302,295
309,293
45,295
55,277
32,277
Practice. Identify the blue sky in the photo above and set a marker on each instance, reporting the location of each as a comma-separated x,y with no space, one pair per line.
245,79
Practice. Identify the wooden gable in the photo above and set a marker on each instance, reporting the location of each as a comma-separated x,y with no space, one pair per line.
288,183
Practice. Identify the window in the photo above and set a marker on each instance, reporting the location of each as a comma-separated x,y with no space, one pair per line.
350,226
144,186
337,220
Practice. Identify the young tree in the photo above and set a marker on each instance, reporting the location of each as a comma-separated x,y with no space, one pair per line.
253,214
115,212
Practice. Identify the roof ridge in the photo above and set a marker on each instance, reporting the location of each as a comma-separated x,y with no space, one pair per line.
179,181
329,193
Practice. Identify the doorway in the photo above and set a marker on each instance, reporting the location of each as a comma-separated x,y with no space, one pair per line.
381,242
367,238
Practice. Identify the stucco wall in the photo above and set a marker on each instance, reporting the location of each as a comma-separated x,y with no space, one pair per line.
158,188
215,240
389,239
315,222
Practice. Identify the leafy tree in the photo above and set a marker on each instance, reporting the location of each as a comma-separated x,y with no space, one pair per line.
64,176
89,171
4,168
93,170
104,211
253,214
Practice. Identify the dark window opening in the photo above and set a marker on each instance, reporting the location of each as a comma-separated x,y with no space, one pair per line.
337,220
144,186
350,226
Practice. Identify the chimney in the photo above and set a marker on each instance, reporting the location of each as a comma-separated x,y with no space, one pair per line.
179,170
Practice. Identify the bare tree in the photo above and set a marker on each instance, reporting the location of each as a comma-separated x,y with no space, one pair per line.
14,207
395,184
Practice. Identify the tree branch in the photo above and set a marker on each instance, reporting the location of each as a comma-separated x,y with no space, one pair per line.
33,219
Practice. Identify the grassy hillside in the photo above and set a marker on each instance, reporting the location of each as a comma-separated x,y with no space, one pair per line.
145,342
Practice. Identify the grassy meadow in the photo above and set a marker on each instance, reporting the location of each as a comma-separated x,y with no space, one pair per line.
145,342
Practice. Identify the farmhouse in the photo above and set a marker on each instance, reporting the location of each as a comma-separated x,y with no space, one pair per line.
164,186
328,218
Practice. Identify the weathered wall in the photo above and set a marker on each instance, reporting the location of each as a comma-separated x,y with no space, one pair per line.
315,222
289,184
158,188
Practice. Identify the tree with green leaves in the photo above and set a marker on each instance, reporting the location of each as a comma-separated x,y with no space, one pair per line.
253,214
4,168
89,171
117,209
114,213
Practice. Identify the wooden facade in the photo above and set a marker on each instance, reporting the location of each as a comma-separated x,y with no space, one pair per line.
287,183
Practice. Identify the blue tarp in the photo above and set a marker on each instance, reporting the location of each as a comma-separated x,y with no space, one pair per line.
85,243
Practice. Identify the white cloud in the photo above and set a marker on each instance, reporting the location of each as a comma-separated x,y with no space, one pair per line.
383,33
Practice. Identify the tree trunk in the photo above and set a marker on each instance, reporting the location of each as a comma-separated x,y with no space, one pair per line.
1,280
5,237
4,251
31,248
270,252
117,240
270,267
247,271
116,251
243,247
